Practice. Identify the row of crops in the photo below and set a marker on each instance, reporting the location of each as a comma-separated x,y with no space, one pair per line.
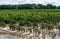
46,17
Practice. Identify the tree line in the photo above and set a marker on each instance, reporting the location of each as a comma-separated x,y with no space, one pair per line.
29,6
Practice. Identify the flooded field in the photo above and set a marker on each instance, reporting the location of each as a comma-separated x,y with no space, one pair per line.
9,36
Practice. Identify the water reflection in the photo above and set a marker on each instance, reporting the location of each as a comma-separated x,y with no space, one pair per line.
51,37
8,36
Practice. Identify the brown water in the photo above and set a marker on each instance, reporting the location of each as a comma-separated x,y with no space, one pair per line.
8,36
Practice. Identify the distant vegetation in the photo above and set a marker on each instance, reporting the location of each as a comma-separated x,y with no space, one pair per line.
29,6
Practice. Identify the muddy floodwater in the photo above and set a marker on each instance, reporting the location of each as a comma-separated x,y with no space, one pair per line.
8,36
